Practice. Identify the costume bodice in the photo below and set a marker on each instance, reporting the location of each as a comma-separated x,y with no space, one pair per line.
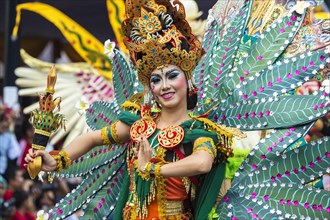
169,145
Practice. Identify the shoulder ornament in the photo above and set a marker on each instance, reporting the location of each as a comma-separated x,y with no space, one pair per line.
225,137
133,104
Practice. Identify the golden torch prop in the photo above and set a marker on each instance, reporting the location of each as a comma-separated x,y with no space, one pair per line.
44,121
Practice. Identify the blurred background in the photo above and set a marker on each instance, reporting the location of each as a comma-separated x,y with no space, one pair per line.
35,33
20,84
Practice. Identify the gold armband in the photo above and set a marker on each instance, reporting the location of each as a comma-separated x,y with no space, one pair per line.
206,144
110,136
114,134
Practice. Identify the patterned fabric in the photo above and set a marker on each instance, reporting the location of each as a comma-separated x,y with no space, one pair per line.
205,144
245,80
145,190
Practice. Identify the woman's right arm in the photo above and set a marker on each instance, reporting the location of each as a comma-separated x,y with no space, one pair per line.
86,142
79,146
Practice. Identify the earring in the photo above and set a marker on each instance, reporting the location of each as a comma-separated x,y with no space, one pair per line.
146,96
155,106
192,89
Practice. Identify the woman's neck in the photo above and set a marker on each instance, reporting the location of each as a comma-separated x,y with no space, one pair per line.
169,117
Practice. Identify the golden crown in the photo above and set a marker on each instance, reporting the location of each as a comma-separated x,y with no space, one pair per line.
157,34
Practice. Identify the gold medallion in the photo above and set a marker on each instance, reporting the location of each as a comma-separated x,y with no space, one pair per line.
142,126
171,137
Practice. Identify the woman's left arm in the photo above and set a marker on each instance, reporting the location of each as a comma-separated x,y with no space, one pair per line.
199,162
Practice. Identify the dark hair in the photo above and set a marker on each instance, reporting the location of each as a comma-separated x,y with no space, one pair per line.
191,100
11,171
20,198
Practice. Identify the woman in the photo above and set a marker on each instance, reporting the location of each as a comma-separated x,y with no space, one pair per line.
173,166
169,150
169,87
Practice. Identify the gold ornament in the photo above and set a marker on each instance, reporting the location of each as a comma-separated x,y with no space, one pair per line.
171,137
157,34
143,126
45,122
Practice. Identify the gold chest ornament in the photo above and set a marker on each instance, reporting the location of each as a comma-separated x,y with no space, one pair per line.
168,137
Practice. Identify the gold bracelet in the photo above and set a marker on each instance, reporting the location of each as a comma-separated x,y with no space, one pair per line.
143,174
146,167
62,160
157,170
152,170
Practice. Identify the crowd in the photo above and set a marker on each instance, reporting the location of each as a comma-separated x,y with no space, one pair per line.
21,197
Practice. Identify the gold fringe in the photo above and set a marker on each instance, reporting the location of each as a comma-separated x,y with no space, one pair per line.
225,136
222,129
161,151
160,181
142,212
114,133
199,141
104,136
224,146
130,106
157,189
187,183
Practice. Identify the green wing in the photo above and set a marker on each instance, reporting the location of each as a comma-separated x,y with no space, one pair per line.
125,81
102,171
274,187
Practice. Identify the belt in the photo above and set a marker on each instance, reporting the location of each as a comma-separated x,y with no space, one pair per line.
173,207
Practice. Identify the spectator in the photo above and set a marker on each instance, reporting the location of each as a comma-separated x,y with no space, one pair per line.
14,177
9,147
3,187
25,142
46,200
24,206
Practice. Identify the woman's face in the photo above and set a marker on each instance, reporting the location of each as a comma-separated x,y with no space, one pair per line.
169,86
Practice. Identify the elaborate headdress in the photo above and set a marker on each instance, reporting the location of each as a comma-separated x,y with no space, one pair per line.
157,34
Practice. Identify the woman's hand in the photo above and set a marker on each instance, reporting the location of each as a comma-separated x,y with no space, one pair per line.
144,152
48,162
